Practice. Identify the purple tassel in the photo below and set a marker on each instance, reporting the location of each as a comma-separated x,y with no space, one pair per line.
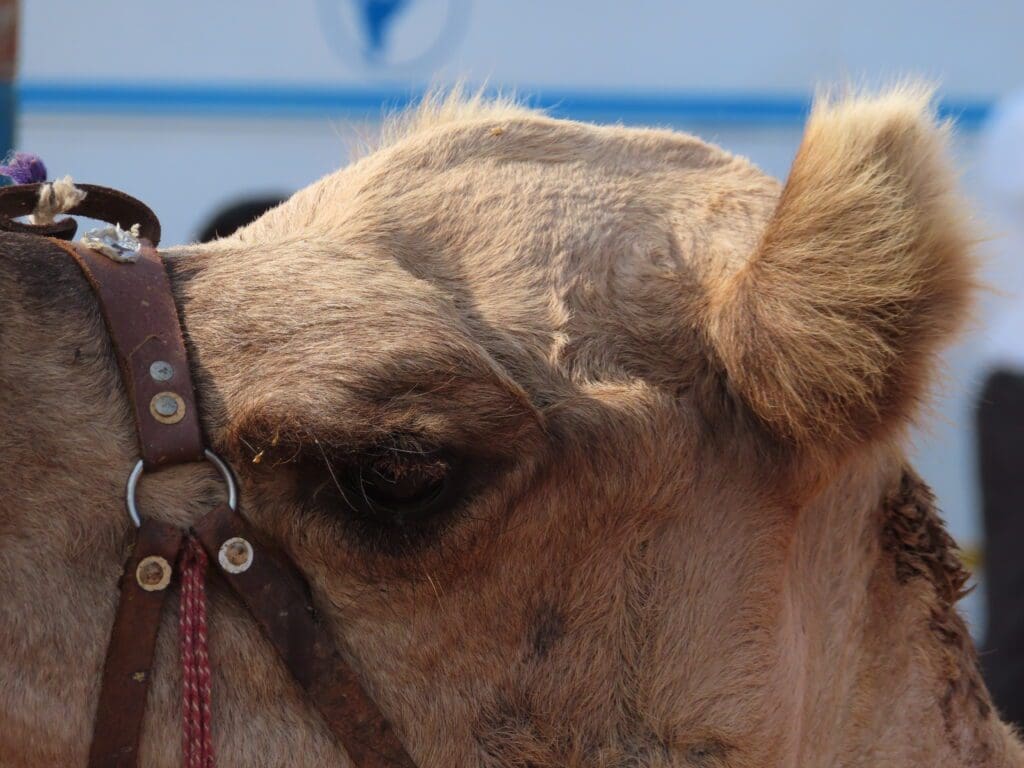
23,168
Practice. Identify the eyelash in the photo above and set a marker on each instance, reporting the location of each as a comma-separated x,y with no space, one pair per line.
387,498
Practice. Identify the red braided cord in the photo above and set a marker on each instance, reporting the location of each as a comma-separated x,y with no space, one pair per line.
196,716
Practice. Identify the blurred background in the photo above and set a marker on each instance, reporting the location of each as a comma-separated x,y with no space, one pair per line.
197,106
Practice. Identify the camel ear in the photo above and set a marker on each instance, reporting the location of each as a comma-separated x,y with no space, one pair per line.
829,332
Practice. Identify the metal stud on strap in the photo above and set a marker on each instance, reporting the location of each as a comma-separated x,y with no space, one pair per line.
139,309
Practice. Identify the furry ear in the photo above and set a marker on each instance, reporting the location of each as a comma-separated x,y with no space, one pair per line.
829,332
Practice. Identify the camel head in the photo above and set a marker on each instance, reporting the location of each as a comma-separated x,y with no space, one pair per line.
588,440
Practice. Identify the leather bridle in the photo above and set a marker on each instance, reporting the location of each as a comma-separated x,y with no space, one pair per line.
142,321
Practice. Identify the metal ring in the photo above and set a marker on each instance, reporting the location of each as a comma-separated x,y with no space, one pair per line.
213,458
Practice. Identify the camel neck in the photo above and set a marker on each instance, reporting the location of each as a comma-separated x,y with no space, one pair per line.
887,650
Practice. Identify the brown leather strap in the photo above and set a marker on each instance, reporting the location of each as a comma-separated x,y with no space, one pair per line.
144,327
277,597
142,320
126,673
104,203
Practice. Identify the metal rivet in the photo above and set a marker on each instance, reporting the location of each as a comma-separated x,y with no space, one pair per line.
235,555
153,573
161,370
167,407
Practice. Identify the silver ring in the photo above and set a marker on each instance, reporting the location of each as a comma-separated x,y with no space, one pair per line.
213,458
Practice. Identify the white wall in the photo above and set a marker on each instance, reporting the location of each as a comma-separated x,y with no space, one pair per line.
739,45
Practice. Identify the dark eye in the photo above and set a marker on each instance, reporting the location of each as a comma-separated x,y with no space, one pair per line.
401,486
391,496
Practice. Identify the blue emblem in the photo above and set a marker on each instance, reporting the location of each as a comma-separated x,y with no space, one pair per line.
393,37
377,15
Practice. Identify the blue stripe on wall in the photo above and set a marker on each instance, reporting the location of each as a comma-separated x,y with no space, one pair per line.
298,101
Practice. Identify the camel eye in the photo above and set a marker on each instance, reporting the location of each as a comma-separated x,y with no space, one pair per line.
402,486
389,496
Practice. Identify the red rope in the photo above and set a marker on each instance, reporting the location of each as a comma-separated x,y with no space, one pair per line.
197,742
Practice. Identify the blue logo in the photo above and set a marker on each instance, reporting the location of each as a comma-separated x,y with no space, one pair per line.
377,16
393,37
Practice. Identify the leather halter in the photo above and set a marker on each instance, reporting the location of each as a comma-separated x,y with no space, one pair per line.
142,321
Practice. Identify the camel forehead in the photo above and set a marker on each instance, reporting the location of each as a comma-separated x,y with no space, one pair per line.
546,238
542,152
476,164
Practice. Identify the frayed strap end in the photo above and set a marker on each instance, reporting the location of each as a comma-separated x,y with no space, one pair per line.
55,198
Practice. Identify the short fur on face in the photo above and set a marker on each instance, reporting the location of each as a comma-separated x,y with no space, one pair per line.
665,392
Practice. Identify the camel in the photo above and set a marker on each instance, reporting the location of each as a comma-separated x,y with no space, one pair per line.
590,441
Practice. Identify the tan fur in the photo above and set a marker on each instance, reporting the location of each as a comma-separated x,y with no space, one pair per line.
633,340
829,330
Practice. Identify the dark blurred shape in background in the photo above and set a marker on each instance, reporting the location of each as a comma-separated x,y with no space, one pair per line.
8,65
1001,464
233,217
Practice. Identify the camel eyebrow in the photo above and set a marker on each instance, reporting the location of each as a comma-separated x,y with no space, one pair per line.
406,417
